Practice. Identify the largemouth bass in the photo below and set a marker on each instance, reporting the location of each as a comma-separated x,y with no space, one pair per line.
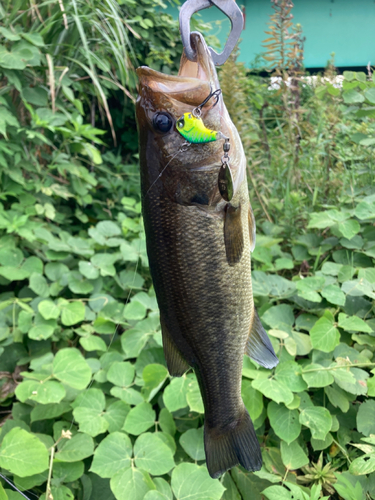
199,252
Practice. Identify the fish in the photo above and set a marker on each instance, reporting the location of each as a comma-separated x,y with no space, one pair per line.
199,248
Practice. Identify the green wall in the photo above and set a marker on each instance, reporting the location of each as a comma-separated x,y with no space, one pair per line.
346,27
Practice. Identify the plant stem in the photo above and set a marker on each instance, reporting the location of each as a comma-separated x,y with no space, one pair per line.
338,367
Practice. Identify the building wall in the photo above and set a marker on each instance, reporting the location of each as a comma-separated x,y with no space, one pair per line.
346,27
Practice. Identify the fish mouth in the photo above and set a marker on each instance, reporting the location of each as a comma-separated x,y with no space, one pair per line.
194,79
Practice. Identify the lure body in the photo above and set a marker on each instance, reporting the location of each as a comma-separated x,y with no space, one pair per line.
193,130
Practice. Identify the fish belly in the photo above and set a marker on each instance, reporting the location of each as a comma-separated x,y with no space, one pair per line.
206,304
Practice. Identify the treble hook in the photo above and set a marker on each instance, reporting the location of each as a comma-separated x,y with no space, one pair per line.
198,110
229,8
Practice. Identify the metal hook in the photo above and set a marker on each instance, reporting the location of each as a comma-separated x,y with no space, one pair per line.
229,8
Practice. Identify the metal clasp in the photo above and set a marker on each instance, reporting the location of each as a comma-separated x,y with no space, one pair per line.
229,8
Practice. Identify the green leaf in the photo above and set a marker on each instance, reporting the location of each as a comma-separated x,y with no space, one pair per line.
353,323
48,411
93,343
317,419
121,373
56,270
152,454
14,274
41,392
72,312
334,295
105,261
139,419
22,453
363,465
317,378
116,414
41,332
322,444
324,335
174,395
154,376
39,285
108,228
128,395
352,97
79,447
274,390
293,455
48,309
163,487
337,397
88,411
112,455
155,495
166,422
308,286
252,399
365,210
190,482
11,257
68,472
370,95
193,395
249,484
366,418
276,493
88,270
134,311
349,228
279,316
70,368
132,484
284,422
192,442
289,373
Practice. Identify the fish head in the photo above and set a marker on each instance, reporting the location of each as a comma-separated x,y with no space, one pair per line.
172,165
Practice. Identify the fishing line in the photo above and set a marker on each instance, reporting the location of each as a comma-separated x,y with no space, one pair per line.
181,150
15,487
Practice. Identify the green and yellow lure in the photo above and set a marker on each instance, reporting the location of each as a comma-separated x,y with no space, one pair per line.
193,130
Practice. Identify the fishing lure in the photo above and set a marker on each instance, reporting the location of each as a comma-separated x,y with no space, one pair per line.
194,131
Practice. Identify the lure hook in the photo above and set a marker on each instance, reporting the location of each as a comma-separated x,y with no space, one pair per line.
198,110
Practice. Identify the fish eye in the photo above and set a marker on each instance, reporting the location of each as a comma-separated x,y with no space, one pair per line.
162,122
181,123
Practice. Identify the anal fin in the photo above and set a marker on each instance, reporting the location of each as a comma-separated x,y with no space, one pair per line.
176,363
233,234
259,347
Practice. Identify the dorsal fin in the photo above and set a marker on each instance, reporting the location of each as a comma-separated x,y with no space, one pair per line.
259,347
233,234
252,229
176,363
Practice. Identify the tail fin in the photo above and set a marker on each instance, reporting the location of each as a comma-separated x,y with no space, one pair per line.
236,445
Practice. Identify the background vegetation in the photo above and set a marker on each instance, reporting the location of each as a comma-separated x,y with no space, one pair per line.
88,410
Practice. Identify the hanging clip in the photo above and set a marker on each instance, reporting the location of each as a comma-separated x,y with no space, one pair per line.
229,8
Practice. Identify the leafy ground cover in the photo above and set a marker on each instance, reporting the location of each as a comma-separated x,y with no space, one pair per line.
88,410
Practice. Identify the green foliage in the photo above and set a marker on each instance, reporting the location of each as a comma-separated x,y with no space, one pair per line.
90,409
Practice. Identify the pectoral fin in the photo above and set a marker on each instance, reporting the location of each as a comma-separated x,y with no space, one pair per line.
252,229
259,347
176,363
233,234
